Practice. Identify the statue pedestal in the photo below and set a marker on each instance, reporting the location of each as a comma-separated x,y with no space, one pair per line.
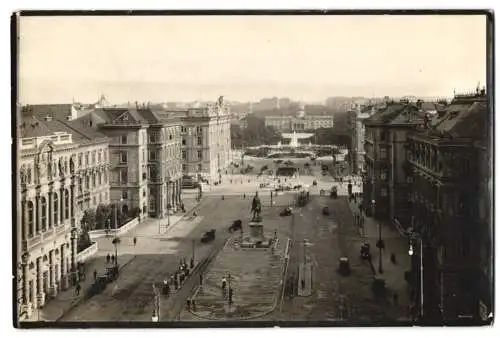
256,231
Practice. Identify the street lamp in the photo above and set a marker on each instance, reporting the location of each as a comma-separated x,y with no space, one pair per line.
116,238
169,181
380,242
415,237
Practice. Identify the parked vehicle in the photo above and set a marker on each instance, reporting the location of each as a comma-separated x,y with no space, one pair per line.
208,236
344,266
286,212
365,251
237,225
333,193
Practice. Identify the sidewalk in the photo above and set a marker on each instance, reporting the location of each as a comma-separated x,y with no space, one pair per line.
394,244
66,300
54,309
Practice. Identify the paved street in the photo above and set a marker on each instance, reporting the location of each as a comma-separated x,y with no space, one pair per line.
325,295
156,257
256,276
336,297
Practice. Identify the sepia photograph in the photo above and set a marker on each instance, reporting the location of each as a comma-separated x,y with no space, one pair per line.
252,168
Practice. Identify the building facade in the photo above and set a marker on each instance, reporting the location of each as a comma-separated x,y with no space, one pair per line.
299,122
385,180
144,157
450,167
54,188
206,140
357,131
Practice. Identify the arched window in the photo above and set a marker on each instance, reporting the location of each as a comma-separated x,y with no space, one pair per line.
30,219
56,209
43,206
66,204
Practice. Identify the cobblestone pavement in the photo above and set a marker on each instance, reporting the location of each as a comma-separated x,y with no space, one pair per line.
335,298
130,299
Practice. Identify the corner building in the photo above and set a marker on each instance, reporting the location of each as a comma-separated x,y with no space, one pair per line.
450,164
54,187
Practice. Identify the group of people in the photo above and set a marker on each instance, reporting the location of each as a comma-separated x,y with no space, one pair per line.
176,280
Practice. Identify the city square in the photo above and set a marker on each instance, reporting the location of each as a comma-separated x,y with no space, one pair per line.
360,210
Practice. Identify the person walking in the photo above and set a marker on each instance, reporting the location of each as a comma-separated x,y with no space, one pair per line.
108,258
135,241
77,289
95,274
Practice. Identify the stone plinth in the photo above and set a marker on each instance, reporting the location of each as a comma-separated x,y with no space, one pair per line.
256,231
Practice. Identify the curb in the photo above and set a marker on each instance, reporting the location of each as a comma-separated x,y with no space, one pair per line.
173,225
78,302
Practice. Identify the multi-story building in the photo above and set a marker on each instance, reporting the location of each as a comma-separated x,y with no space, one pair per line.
450,167
385,180
206,140
145,153
55,185
357,131
299,122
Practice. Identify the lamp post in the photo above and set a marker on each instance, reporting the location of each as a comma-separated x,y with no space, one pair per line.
168,200
116,239
414,237
380,242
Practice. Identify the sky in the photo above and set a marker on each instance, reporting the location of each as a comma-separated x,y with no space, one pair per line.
245,58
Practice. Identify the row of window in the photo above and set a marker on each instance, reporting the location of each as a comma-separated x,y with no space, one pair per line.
36,226
199,141
92,181
199,153
199,130
92,157
154,136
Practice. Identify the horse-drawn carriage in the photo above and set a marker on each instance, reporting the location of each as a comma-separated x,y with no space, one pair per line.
208,236
237,225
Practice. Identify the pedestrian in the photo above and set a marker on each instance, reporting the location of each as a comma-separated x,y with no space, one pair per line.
192,262
393,258
230,296
224,283
201,279
108,257
244,196
193,305
395,298
188,303
303,284
135,241
77,289
112,258
95,274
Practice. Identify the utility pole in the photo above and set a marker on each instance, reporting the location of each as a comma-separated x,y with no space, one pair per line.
194,243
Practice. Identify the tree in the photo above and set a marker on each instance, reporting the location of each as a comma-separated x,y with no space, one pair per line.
88,221
255,134
102,215
84,241
116,211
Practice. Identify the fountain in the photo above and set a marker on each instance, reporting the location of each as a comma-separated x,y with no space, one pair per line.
295,137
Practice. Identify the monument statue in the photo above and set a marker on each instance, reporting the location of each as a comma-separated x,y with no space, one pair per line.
256,208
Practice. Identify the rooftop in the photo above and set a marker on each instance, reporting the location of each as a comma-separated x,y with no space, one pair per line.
81,132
